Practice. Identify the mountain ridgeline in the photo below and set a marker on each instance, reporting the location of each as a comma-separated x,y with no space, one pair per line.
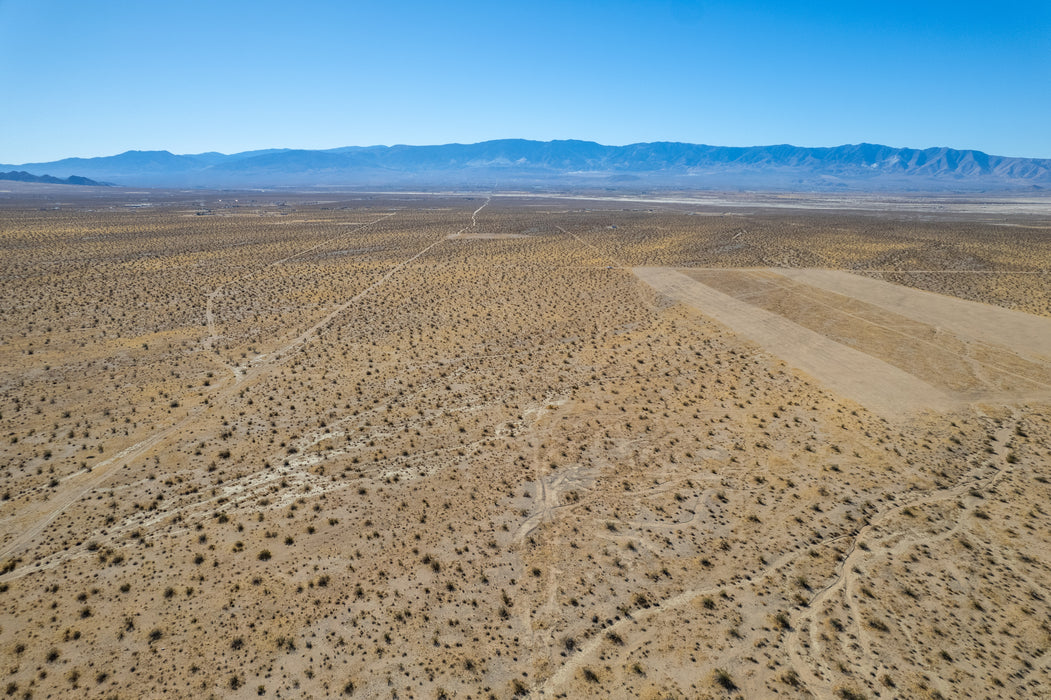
22,176
523,163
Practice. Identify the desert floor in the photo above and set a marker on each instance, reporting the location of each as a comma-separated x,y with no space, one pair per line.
472,445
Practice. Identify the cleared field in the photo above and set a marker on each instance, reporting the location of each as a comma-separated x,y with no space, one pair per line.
451,446
852,373
881,350
1012,332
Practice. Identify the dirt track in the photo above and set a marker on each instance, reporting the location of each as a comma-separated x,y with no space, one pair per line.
449,448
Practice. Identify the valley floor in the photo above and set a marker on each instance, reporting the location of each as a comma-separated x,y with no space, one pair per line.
476,446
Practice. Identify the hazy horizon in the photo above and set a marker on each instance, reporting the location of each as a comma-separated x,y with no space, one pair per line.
229,152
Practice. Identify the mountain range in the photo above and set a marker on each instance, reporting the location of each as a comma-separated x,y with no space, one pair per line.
22,176
570,163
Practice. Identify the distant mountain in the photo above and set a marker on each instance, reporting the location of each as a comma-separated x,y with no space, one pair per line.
517,162
22,176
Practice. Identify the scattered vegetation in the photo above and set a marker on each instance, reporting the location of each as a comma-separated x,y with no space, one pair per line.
296,442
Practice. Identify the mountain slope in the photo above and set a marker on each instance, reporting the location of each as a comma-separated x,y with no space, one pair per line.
570,162
22,176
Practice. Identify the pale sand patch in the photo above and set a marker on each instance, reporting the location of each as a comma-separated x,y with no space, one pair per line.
1020,332
968,368
485,236
875,384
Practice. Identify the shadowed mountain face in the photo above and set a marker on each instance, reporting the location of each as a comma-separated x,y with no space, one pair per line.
22,176
519,162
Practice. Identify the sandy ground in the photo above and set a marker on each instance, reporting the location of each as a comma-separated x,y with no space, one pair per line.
891,348
875,384
318,448
1010,330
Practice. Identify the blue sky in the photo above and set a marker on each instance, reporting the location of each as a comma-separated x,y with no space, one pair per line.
98,78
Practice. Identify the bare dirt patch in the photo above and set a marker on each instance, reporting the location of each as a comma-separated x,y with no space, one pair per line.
854,374
930,350
957,346
1019,332
347,455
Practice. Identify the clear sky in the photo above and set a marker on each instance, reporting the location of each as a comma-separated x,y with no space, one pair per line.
96,78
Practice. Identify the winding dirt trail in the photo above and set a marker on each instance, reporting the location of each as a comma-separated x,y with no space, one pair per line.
844,577
564,673
463,233
805,658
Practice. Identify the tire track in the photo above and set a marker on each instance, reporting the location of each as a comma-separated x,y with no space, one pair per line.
845,576
209,312
559,678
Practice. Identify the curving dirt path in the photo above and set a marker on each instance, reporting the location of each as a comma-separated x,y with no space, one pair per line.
564,673
464,232
805,658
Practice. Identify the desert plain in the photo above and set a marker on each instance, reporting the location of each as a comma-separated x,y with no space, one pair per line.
485,445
